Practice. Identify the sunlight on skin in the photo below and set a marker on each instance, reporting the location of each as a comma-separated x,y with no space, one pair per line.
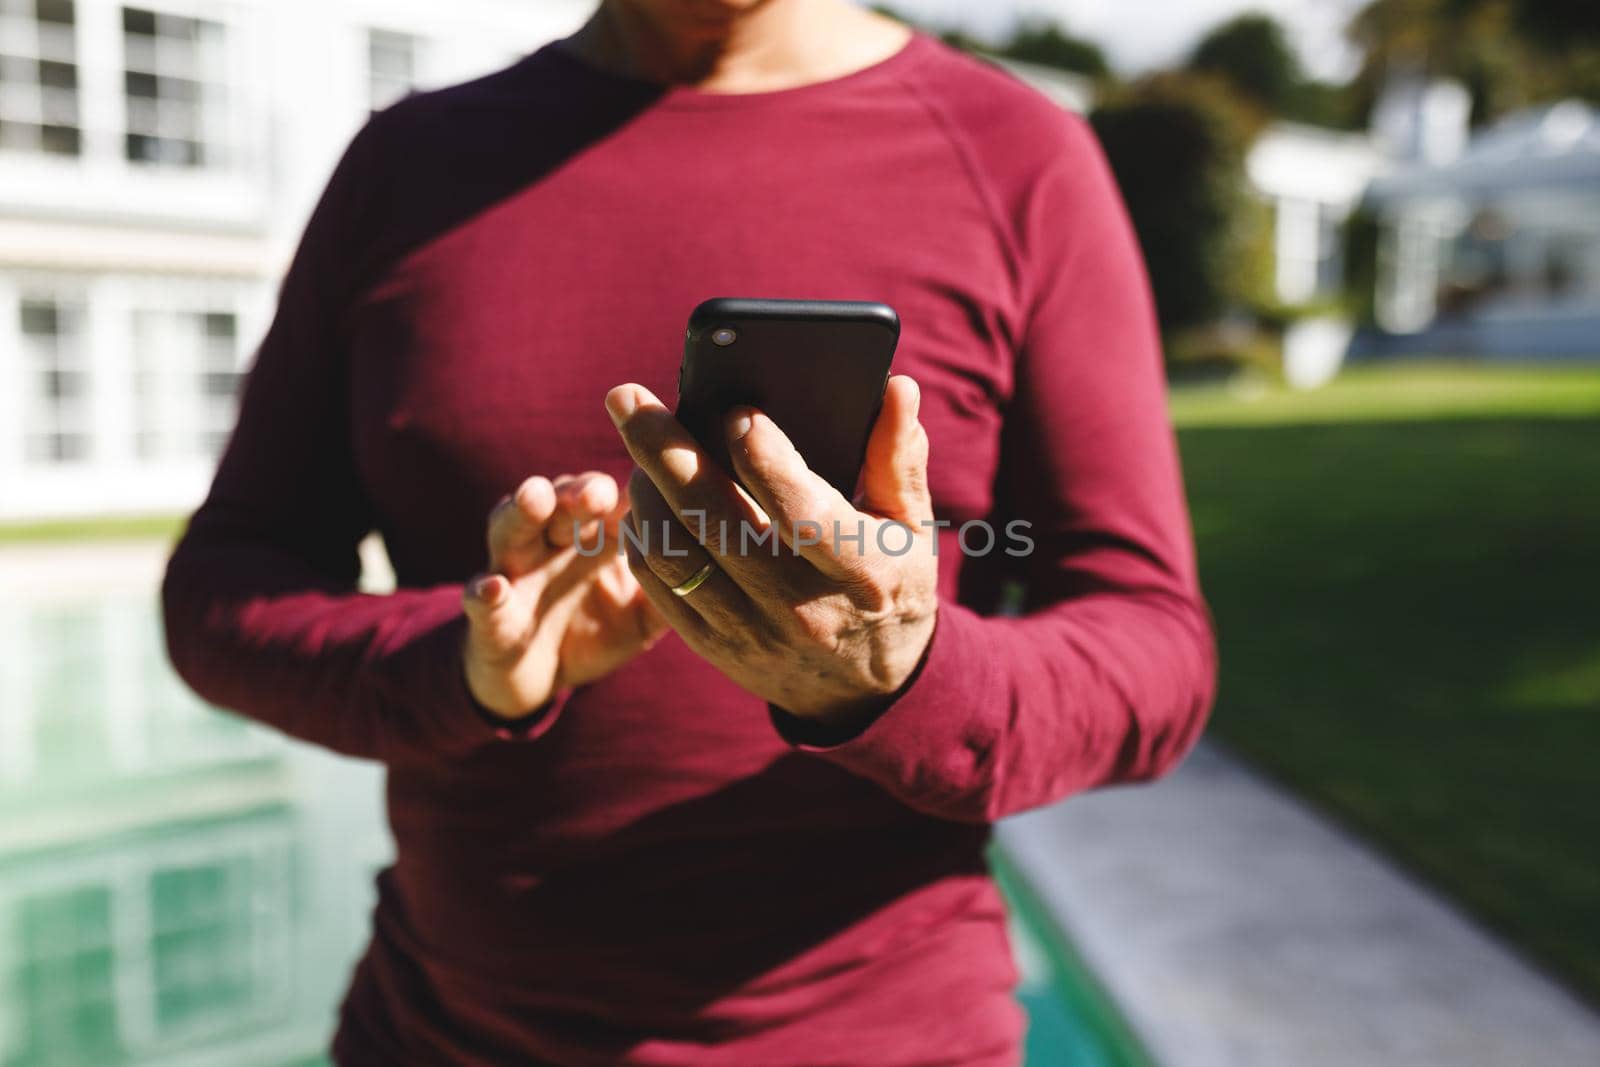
821,631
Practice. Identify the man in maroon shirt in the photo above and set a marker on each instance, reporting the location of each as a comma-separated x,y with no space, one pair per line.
742,826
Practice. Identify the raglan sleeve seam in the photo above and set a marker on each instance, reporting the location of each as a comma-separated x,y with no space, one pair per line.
976,180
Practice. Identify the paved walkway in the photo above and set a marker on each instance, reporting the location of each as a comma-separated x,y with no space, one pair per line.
1238,929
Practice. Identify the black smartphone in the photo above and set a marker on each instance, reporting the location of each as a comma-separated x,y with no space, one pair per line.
817,368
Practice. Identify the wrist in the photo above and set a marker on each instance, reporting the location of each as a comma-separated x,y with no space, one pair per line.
853,712
492,698
525,725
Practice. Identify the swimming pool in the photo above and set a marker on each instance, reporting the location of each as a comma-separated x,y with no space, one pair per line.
180,887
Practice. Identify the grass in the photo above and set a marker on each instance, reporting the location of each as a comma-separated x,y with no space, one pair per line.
1405,572
1406,392
132,527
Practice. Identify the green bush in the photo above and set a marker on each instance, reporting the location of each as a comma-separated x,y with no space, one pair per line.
1176,143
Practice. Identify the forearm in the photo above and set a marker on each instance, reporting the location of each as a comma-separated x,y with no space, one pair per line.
1008,714
253,629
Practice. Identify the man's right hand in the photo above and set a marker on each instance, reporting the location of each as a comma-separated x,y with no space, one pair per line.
545,617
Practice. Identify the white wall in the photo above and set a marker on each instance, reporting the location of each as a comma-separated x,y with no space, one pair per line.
1313,178
128,236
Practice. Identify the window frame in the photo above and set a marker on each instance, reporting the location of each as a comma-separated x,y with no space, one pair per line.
27,40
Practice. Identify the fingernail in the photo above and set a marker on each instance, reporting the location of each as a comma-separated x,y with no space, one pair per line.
739,423
621,402
484,587
573,489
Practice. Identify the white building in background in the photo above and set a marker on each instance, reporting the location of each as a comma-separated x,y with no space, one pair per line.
1313,178
1496,251
157,160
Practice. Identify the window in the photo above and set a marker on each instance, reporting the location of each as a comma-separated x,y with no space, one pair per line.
62,981
186,382
39,77
219,379
173,75
56,413
202,938
391,66
128,952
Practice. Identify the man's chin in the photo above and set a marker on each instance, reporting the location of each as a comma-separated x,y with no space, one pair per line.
710,17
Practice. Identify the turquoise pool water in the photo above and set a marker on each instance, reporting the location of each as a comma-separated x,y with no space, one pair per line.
180,887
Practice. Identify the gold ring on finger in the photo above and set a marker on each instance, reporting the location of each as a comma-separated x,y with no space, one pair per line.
695,580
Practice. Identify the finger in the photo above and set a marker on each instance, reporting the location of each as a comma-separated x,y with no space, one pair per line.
613,521
708,503
650,623
894,477
641,622
813,518
602,538
500,626
673,609
567,573
517,525
668,552
582,502
504,615
619,590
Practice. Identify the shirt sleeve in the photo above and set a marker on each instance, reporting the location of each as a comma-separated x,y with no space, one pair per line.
260,597
1107,674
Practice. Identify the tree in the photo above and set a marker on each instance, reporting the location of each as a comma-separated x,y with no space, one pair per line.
1557,25
1046,44
1176,144
1032,41
1323,103
1252,54
1508,53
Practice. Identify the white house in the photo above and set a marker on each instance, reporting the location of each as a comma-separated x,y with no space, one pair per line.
1313,178
1496,251
157,160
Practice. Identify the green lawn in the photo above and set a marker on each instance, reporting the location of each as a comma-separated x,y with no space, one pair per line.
136,527
1405,572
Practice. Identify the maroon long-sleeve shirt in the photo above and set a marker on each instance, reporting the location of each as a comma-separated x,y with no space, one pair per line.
656,874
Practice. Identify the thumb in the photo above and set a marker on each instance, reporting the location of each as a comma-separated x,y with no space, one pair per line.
894,478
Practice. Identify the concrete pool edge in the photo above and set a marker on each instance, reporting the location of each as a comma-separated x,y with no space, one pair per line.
1086,998
1238,927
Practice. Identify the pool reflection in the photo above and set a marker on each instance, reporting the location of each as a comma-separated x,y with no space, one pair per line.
176,885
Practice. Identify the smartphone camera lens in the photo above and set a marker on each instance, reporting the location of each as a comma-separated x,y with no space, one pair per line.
723,336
